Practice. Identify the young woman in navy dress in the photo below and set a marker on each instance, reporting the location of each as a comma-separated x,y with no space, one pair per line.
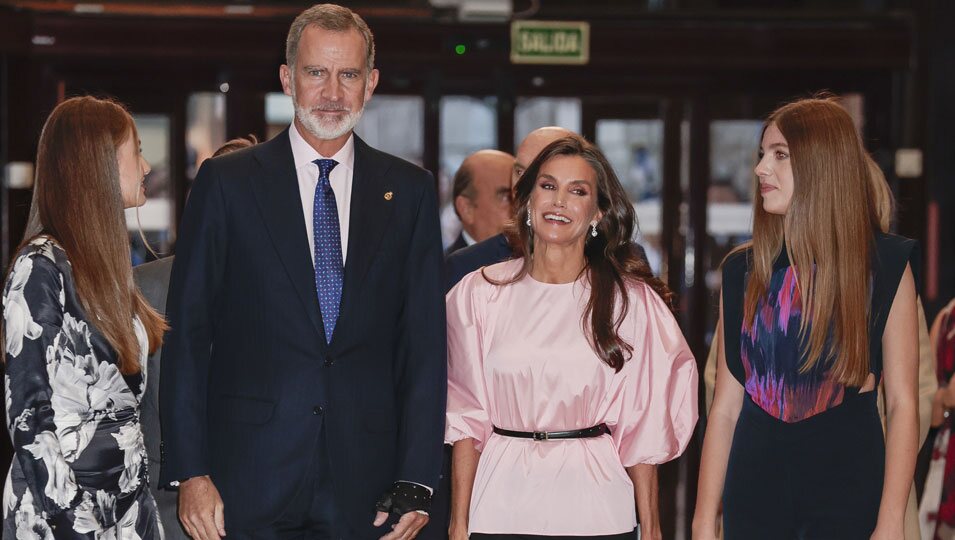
816,309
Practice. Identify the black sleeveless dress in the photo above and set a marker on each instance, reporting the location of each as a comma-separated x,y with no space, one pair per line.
808,453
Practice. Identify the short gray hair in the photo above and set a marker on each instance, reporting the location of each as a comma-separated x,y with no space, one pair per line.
329,17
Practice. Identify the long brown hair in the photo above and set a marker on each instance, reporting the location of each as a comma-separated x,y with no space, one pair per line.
611,257
78,202
830,226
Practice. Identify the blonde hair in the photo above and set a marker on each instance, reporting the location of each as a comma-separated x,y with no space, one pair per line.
882,198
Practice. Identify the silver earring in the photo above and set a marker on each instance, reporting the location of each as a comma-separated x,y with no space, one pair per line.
593,229
528,217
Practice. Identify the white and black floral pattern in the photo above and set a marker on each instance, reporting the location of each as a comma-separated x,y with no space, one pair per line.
80,468
18,321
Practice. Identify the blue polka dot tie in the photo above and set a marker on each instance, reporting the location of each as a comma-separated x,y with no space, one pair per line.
329,271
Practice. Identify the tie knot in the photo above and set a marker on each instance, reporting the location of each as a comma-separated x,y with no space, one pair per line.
325,166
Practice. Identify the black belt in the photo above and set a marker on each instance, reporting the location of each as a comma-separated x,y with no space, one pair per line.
585,433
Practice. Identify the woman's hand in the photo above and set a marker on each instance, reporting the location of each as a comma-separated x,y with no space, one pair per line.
646,492
900,359
651,532
720,426
457,531
464,462
888,533
705,530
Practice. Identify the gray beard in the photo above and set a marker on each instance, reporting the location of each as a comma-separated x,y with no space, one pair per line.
324,130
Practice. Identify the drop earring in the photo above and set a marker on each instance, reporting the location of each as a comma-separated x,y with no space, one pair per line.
593,229
528,217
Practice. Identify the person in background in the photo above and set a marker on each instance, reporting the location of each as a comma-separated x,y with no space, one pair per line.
152,278
76,334
462,262
802,351
239,143
482,196
567,370
937,510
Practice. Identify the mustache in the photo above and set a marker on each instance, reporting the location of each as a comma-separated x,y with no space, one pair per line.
329,107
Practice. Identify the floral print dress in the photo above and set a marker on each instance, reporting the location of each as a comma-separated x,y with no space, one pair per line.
79,469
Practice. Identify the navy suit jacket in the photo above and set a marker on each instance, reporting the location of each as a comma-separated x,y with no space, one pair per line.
466,260
458,244
248,379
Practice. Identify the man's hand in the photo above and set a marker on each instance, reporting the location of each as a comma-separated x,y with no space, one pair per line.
200,509
407,527
410,501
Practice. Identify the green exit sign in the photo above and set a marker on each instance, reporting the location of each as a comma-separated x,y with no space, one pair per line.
550,42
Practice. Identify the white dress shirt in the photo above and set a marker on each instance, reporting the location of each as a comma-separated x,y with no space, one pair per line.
340,178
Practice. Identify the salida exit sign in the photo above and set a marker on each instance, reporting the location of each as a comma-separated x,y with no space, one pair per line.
550,42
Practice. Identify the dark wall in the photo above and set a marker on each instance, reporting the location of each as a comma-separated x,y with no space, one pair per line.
939,133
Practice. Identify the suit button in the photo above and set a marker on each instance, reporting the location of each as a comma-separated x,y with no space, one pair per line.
329,361
318,410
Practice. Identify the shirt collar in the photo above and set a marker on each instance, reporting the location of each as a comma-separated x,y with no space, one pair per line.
467,237
304,154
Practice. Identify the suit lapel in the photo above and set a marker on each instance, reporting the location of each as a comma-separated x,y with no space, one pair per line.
275,184
371,209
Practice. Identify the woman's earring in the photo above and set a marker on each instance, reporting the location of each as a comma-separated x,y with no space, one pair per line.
528,217
593,229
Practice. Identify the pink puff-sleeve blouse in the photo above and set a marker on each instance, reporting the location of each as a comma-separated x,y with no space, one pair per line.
518,358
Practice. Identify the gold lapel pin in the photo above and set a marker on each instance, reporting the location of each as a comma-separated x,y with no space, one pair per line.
389,195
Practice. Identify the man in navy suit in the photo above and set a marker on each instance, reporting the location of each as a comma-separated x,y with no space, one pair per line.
304,375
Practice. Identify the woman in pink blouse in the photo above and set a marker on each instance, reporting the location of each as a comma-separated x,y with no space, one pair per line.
567,371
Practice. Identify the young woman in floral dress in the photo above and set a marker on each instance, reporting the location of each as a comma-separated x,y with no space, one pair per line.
76,333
